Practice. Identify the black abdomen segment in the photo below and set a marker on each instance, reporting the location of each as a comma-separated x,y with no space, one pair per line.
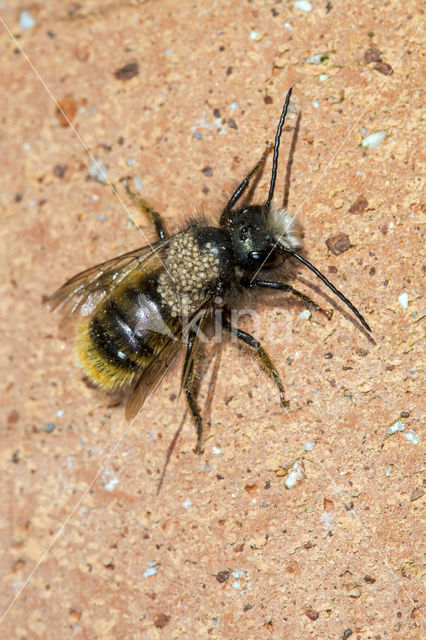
103,336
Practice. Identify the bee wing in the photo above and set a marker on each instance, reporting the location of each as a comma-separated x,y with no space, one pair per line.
159,366
152,376
80,295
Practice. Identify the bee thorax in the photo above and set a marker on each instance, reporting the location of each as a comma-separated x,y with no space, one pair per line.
189,276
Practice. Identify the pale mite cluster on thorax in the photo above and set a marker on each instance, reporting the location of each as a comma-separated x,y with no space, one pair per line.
153,301
191,273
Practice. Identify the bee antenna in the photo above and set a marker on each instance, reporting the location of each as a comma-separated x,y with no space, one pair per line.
276,148
329,285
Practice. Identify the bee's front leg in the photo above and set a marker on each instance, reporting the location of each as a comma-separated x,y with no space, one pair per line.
144,206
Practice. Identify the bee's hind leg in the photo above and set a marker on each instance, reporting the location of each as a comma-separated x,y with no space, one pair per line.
189,381
144,206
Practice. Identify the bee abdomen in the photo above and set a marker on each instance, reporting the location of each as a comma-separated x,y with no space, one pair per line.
110,352
127,332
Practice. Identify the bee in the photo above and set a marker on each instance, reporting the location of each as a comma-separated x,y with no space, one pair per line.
138,310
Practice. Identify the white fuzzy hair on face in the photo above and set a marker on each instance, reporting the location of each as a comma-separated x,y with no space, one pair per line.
285,227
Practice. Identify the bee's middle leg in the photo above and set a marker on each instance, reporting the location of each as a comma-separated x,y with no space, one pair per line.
260,354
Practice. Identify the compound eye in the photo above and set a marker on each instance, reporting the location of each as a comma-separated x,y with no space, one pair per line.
265,258
257,256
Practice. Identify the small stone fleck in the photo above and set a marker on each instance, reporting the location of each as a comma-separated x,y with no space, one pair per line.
49,427
137,183
303,5
359,206
308,445
222,576
59,170
412,437
372,55
251,488
26,21
338,244
317,58
311,614
109,479
97,170
151,571
161,620
66,110
403,300
296,474
396,426
129,70
306,314
374,140
384,68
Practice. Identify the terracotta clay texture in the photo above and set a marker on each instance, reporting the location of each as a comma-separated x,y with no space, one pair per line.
302,523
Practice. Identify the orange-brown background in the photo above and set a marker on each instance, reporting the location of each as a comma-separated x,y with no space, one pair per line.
233,553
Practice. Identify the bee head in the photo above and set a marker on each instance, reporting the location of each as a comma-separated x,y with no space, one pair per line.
263,236
259,233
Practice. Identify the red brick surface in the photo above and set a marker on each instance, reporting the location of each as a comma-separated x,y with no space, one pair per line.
225,550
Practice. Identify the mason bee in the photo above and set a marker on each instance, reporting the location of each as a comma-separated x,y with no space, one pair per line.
138,310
